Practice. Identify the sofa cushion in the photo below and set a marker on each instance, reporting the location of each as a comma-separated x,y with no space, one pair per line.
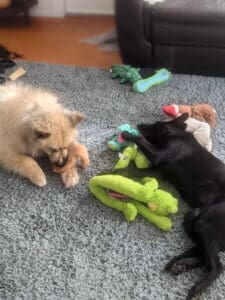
188,22
199,11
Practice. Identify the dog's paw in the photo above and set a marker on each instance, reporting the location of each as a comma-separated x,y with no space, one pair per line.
38,178
70,178
82,153
84,162
194,294
176,267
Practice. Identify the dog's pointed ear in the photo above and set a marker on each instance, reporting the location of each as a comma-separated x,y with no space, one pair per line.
181,119
41,133
74,117
143,128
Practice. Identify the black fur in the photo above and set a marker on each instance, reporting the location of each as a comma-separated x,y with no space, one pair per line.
200,178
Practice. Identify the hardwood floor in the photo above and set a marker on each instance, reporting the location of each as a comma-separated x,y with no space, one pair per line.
59,40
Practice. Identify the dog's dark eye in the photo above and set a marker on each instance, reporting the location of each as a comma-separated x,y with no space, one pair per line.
53,150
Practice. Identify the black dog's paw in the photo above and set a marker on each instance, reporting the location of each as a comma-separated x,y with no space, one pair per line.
127,136
194,294
178,266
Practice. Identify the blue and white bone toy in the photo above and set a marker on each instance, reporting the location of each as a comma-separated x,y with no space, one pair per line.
143,85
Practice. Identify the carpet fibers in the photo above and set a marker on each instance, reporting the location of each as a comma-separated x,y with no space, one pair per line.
64,244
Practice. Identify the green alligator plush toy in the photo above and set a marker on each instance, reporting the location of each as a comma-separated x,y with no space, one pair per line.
141,197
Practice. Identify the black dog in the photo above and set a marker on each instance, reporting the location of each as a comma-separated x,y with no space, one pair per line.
200,178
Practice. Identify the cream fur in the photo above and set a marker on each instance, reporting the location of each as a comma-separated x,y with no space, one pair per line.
201,132
33,123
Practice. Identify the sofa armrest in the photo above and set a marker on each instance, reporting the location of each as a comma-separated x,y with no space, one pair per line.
135,48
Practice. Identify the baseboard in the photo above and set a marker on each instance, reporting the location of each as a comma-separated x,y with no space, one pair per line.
49,8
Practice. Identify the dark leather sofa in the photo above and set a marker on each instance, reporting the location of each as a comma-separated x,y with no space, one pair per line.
186,36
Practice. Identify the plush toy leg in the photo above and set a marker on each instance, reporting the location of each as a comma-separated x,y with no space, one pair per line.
113,145
129,154
123,80
162,222
141,161
114,75
129,210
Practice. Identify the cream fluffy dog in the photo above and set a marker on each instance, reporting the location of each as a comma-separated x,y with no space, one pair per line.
33,123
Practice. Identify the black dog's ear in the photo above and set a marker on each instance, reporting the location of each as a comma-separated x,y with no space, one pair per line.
143,128
180,120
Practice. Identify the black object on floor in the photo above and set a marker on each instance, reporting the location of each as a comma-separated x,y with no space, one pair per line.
6,61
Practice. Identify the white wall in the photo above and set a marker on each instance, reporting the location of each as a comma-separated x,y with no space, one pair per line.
89,7
49,8
59,8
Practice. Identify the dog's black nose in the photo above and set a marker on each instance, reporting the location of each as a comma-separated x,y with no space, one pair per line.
60,163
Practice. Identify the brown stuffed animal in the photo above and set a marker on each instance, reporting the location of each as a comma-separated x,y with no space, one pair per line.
202,112
75,151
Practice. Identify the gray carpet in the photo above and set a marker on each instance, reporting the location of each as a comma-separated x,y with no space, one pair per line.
64,244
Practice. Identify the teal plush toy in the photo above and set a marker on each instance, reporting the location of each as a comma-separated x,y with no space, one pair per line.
117,143
143,85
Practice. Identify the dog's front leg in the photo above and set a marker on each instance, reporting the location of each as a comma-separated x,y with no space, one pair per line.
70,178
25,166
145,146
